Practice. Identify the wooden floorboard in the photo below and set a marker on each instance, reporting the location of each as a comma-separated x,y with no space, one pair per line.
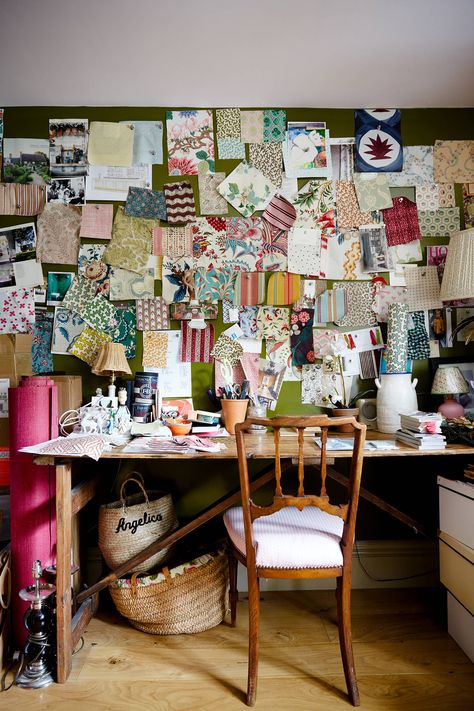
405,660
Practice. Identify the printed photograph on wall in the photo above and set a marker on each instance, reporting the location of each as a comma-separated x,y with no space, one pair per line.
17,244
68,147
58,284
25,160
68,191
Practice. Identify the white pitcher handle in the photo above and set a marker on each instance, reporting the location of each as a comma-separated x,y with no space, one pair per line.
414,383
377,382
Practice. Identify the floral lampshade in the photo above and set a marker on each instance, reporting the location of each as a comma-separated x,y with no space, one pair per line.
449,381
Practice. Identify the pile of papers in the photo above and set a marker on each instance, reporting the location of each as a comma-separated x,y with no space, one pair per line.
347,443
174,445
422,430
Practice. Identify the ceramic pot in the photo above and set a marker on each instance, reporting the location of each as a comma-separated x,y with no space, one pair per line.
395,395
233,412
345,412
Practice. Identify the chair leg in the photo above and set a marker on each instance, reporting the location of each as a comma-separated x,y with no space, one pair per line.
345,637
254,625
233,592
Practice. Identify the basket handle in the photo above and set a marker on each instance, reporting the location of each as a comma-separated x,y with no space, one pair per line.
140,484
133,584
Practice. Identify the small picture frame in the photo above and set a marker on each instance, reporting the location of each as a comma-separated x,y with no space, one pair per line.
58,285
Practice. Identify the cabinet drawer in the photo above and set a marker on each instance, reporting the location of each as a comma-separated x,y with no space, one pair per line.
456,510
461,626
456,569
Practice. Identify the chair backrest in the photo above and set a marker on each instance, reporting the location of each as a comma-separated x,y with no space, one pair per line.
347,511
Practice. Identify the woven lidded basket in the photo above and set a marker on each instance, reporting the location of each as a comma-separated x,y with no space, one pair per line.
189,598
128,526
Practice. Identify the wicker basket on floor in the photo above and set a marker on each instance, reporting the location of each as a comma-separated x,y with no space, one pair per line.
189,598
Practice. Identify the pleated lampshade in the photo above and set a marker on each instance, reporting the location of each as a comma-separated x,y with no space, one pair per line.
111,360
458,276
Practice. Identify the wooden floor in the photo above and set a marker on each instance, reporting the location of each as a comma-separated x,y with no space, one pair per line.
405,660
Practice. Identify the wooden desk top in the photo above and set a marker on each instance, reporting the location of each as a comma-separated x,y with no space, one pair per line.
260,446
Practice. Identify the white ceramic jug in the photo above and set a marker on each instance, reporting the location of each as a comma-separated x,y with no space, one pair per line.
396,394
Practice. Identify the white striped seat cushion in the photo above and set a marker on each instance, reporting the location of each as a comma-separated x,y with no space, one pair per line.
290,538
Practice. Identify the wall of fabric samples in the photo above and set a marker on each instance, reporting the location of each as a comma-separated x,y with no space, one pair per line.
360,195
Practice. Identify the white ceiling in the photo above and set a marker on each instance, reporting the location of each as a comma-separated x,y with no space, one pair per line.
302,53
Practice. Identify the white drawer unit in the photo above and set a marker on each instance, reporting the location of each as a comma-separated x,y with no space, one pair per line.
456,510
461,626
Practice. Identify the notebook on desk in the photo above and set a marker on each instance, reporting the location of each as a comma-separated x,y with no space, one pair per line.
347,443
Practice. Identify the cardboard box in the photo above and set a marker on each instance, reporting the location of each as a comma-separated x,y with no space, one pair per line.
69,392
15,361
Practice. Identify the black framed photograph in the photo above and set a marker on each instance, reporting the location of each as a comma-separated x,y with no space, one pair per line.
466,366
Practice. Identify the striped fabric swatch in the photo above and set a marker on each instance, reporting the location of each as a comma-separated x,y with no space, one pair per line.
196,344
29,199
249,288
280,212
180,205
283,288
173,241
330,306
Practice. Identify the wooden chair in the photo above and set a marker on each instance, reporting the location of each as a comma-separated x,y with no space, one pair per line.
296,536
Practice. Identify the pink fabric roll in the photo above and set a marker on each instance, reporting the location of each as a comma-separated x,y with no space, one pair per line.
33,419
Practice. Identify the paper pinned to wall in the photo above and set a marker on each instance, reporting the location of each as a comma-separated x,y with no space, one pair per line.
106,182
175,379
110,143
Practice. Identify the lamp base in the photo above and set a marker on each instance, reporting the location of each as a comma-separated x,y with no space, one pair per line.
451,408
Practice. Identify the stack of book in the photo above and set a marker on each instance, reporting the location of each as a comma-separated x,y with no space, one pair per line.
421,430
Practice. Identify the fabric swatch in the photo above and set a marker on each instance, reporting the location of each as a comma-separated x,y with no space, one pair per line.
283,288
331,305
304,251
123,328
317,387
397,337
418,347
131,243
90,266
274,250
17,310
315,206
228,123
190,136
324,341
453,162
173,241
96,221
406,253
110,143
468,204
274,125
273,322
178,280
79,294
348,212
243,243
99,313
446,194
373,191
249,288
248,320
401,222
87,345
125,284
359,304
423,291
196,344
147,142
227,350
155,349
417,167
247,189
280,213
439,223
150,204
230,312
427,196
230,149
378,141
209,242
66,328
215,284
180,207
152,314
301,336
41,356
58,229
280,353
21,199
341,257
210,201
251,126
385,296
267,158
185,312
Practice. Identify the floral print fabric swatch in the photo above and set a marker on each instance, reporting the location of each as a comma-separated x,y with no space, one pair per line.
130,246
96,221
215,284
190,136
301,336
86,347
243,243
267,157
348,213
227,350
155,349
315,206
248,320
247,189
417,167
272,322
274,125
173,241
439,223
125,284
150,204
67,327
90,266
251,126
373,191
178,280
208,241
152,314
58,228
228,123
453,162
123,329
210,201
41,356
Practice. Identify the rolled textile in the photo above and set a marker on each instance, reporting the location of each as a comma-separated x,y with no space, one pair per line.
397,338
33,409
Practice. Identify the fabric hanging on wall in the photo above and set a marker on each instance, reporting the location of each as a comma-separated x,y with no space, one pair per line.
21,199
142,202
248,320
453,161
190,138
228,123
385,295
251,126
274,251
96,221
178,280
67,327
272,322
99,314
283,288
439,223
301,336
33,419
58,229
397,338
401,222
155,349
378,141
315,206
341,257
131,243
125,284
274,125
87,345
123,329
417,167
418,347
209,242
17,306
348,214
423,290
249,288
180,207
247,189
243,243
196,344
91,266
373,191
230,149
152,314
304,251
359,304
267,157
280,212
433,196
147,142
42,359
331,305
173,241
210,201
215,284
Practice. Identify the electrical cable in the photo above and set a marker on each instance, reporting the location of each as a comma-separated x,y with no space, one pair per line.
390,580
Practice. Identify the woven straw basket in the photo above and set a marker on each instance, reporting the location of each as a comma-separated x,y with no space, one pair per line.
121,535
187,599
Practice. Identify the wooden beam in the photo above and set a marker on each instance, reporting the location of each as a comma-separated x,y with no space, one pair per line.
64,647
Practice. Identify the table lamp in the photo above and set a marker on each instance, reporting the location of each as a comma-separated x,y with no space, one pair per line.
110,361
458,275
449,381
